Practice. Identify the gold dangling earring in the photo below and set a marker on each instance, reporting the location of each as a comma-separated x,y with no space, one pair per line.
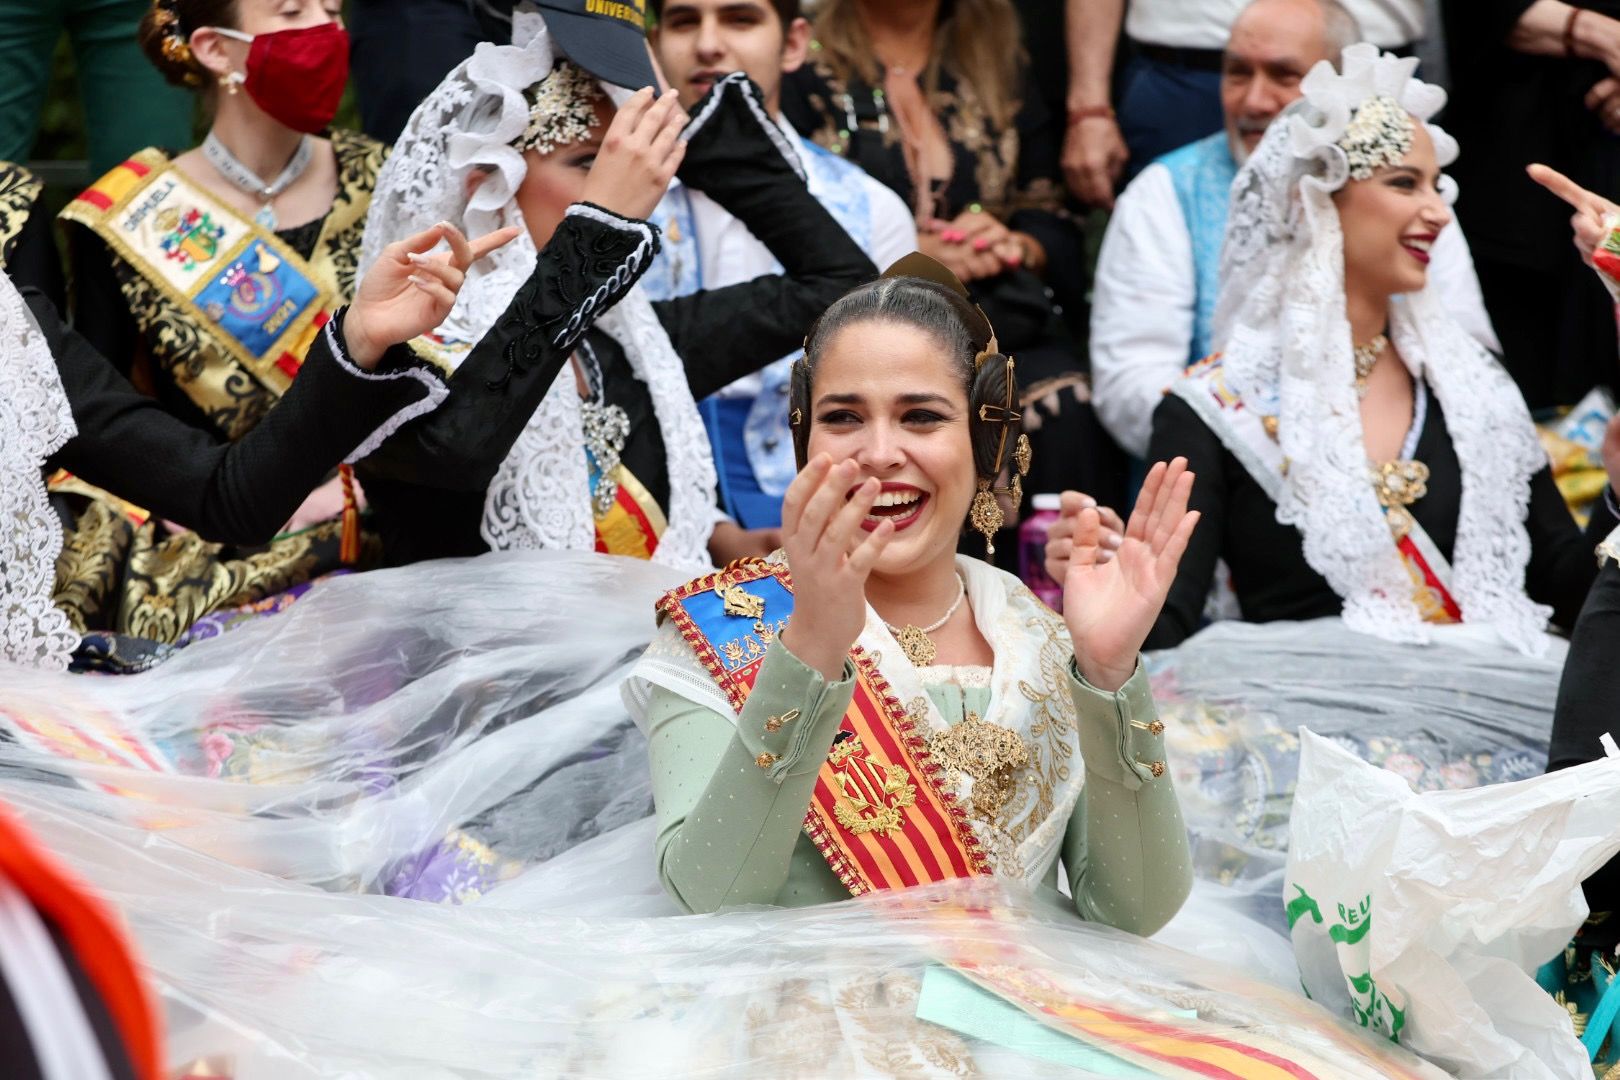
229,82
986,516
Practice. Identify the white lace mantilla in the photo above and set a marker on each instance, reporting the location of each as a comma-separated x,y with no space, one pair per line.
1282,329
1029,695
35,422
539,497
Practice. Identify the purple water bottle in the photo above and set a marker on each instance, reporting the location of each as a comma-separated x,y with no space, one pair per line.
1032,551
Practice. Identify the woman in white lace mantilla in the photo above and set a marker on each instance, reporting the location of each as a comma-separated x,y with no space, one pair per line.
572,422
1356,451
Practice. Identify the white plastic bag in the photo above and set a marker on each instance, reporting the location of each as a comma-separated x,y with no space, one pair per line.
1425,916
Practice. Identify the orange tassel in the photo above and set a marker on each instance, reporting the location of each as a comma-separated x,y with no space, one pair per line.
349,546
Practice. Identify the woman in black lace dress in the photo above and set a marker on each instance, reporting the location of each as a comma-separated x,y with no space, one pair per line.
572,421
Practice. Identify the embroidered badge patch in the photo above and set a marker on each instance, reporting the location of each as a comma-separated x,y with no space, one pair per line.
190,237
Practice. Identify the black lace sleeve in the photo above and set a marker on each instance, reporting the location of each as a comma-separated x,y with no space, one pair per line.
738,157
238,492
591,261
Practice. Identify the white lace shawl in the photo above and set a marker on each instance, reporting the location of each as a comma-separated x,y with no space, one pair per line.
1029,694
539,496
1285,339
35,422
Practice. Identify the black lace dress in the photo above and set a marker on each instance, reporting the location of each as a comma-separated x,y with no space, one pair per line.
427,484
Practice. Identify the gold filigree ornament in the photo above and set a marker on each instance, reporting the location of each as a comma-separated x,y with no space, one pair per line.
1365,358
1399,484
986,516
776,723
739,601
914,640
989,753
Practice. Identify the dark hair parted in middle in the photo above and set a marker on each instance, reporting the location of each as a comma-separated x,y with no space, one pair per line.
962,333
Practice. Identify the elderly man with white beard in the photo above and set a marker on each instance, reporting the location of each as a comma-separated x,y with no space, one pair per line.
1157,276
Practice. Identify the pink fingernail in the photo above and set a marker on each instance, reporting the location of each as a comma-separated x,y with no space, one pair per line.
1014,261
420,283
417,257
980,244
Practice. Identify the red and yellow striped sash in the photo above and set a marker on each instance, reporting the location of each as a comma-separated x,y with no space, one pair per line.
879,815
634,523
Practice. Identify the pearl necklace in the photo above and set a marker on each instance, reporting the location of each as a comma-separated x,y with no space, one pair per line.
914,640
231,168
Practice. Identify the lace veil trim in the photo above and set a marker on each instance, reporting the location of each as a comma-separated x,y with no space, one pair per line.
35,422
464,129
1285,339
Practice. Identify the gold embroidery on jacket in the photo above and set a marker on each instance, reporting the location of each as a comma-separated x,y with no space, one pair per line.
19,190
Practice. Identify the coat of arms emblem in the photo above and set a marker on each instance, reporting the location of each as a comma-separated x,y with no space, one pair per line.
191,237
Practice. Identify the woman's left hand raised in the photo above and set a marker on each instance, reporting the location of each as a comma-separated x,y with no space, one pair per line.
408,292
1111,606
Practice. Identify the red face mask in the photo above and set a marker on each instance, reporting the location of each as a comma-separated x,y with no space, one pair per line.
297,76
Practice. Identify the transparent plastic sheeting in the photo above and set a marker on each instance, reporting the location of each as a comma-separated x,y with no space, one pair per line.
271,809
422,732
1460,713
268,979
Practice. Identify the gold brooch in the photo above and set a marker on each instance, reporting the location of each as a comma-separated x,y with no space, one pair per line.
740,602
987,752
1399,484
775,723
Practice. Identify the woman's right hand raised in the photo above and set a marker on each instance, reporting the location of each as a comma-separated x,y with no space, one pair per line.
639,155
1593,213
830,556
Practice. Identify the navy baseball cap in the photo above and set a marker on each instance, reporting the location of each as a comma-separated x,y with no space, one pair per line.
608,38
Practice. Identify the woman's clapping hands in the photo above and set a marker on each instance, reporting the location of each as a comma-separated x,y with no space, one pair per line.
831,556
1110,605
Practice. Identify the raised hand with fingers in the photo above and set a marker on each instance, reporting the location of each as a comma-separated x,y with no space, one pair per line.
1060,537
1111,606
639,155
831,549
408,292
1593,213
